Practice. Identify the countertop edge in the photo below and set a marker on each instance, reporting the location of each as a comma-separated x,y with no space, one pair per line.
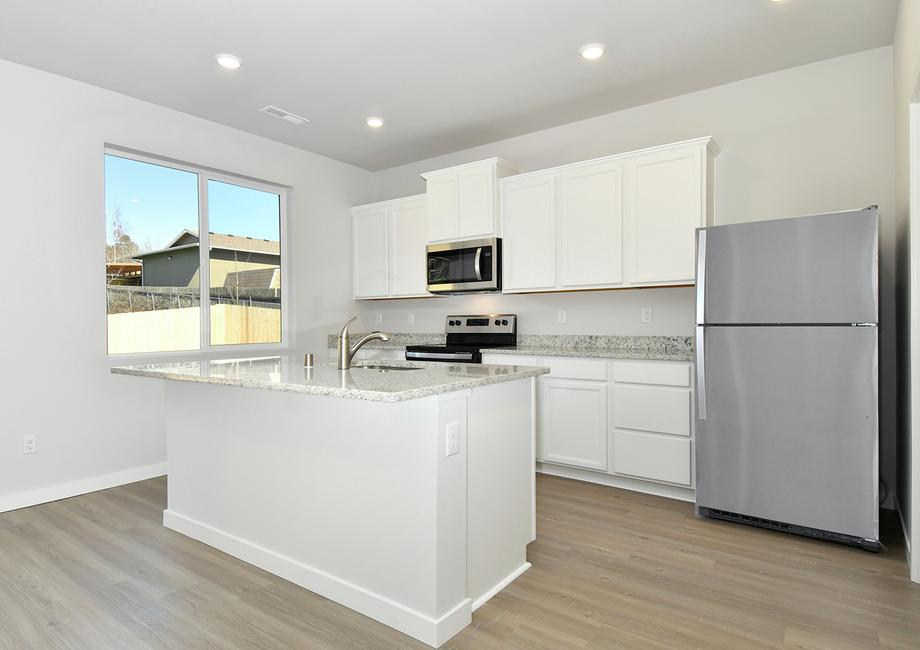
525,372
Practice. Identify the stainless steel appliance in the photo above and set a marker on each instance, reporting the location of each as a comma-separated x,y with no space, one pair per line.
469,266
787,375
467,336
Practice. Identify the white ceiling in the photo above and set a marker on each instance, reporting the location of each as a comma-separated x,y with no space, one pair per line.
446,75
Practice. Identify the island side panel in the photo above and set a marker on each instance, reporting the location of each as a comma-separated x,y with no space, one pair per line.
340,496
501,484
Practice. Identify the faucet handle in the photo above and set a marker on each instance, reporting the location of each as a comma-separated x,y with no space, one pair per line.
344,330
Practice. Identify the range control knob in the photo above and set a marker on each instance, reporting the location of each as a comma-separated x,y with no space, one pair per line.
504,322
498,322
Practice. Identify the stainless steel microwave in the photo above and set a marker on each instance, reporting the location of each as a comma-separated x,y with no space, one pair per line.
465,266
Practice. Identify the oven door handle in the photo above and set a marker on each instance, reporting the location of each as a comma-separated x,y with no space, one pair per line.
462,356
477,264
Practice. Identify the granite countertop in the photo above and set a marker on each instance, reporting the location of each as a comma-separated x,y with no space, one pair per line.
650,348
365,380
594,353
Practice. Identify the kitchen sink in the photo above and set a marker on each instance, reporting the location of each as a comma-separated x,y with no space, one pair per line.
388,368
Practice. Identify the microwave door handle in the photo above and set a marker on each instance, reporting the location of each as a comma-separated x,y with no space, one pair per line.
477,264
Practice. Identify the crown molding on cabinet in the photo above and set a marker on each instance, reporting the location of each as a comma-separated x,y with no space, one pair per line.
708,141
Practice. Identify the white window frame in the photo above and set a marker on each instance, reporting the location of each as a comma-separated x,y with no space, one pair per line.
205,174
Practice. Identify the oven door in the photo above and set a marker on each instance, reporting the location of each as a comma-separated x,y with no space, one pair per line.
465,266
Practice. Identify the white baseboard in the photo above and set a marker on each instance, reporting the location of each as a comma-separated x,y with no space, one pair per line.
636,485
426,629
49,493
504,582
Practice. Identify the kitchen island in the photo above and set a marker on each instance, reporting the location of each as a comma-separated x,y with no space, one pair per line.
404,491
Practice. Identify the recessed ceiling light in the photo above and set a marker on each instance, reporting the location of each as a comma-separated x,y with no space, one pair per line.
592,51
228,61
375,122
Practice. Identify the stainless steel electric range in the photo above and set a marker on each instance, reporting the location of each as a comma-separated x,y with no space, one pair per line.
467,336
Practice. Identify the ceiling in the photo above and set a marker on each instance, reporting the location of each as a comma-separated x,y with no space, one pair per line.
445,75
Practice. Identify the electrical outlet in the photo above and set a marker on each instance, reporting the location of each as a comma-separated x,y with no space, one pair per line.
453,438
29,444
646,315
378,319
561,316
411,319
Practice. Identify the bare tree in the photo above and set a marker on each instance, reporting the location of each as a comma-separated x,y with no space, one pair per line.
121,247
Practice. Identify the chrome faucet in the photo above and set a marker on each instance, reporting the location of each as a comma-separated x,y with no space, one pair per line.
347,352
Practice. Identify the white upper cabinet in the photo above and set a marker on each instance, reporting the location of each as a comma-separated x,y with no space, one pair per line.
590,209
369,251
627,220
407,223
529,244
463,202
444,206
389,248
665,204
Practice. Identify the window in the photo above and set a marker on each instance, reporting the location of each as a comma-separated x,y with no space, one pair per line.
178,238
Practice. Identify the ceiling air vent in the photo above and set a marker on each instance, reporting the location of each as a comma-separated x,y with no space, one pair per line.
284,115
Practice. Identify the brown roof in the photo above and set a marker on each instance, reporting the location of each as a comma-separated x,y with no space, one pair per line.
236,243
225,242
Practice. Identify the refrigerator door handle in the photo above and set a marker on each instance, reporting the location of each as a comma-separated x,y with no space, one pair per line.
700,372
701,276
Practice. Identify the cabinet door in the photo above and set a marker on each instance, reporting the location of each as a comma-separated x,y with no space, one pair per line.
591,225
443,207
370,252
573,423
476,187
407,222
665,205
529,243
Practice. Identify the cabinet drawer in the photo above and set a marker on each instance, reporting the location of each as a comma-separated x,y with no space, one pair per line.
652,408
565,368
663,373
651,456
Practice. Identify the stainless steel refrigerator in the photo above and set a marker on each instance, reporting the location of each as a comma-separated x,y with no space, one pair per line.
787,375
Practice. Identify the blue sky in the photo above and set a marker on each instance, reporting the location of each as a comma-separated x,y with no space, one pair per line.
157,203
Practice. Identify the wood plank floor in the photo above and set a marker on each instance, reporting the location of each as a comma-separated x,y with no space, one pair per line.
611,569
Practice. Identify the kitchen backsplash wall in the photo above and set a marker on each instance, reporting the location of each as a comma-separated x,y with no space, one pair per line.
586,312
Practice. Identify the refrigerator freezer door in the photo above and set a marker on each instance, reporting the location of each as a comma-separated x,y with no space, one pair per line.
791,432
817,269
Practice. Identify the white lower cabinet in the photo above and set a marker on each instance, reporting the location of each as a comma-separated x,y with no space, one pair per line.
627,423
573,423
651,456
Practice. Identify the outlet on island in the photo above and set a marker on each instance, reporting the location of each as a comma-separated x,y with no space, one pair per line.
29,443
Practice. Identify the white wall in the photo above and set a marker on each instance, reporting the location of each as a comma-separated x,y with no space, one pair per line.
56,380
816,138
906,90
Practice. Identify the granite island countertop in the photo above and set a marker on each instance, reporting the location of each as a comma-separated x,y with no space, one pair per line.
364,381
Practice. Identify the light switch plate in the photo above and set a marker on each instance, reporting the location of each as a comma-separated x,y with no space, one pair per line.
561,316
453,438
646,315
411,319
